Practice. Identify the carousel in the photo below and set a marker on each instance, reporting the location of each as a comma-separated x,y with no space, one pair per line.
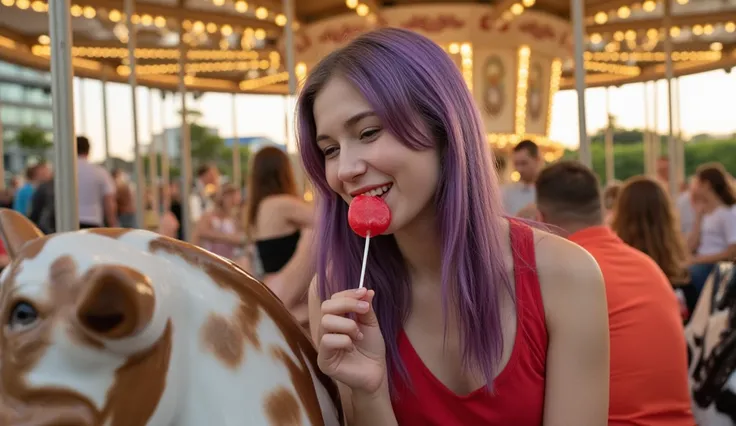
515,55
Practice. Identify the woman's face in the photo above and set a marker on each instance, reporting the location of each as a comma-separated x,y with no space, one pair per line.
361,156
701,190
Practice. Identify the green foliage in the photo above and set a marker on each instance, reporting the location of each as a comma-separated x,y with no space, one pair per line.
629,156
206,146
34,140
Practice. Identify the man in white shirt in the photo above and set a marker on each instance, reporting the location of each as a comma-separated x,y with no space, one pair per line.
527,159
206,184
97,205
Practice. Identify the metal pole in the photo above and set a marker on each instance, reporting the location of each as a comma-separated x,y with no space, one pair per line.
65,142
680,141
165,173
237,178
646,134
105,124
153,158
671,142
288,6
185,149
584,153
2,153
140,181
82,109
656,138
610,172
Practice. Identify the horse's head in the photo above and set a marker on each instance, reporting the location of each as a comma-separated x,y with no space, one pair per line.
84,338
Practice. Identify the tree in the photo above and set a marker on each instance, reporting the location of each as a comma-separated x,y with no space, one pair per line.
33,140
206,146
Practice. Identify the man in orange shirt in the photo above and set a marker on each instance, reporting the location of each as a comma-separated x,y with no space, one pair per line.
649,381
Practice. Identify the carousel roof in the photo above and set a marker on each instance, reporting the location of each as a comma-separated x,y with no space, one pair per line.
237,45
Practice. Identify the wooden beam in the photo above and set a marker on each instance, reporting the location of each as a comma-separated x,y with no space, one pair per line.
498,9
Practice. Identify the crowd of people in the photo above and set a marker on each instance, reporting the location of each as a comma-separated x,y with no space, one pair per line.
551,300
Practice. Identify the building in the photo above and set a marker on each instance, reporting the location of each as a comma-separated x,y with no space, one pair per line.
172,141
25,100
254,143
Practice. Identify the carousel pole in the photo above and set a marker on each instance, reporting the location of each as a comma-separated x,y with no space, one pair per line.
584,153
164,148
185,148
655,139
82,108
65,143
153,158
680,141
106,124
671,141
237,179
140,181
610,171
2,155
646,134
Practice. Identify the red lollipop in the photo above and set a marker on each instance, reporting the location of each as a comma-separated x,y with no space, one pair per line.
369,215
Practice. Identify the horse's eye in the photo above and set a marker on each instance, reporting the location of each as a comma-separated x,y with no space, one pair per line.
23,315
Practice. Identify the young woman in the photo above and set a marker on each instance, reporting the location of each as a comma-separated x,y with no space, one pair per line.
469,318
219,230
644,218
713,237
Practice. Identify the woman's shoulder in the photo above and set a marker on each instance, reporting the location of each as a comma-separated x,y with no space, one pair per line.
567,273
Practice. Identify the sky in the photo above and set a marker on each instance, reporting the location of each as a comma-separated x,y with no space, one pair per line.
702,110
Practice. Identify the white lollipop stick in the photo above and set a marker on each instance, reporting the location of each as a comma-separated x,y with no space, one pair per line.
365,259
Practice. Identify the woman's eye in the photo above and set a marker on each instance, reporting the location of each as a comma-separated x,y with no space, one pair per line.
369,133
329,151
23,315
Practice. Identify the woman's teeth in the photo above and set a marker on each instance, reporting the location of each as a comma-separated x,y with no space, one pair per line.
377,192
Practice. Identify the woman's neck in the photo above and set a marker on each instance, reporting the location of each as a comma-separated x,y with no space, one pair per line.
712,203
420,245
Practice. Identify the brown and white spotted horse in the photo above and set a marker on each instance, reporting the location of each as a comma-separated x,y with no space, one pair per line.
115,327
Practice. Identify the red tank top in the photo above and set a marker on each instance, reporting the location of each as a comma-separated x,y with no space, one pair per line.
518,395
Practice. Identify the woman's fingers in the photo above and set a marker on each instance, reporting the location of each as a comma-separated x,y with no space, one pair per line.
347,302
331,343
341,325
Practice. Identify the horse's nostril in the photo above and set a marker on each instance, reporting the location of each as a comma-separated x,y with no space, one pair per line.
103,323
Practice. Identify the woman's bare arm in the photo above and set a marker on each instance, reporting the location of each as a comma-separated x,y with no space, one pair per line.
578,372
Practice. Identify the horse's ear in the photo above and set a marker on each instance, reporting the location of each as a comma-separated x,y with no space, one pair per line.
16,230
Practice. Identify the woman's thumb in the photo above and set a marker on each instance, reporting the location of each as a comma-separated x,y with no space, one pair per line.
369,318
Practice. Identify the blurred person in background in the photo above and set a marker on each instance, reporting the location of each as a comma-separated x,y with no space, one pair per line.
610,194
713,237
644,219
649,381
219,230
36,174
528,162
278,223
206,186
124,199
96,191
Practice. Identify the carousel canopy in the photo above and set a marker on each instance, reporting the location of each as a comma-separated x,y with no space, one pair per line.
238,46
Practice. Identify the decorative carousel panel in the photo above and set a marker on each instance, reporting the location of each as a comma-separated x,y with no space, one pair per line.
538,93
494,88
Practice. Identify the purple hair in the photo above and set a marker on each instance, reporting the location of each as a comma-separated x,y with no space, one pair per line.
415,88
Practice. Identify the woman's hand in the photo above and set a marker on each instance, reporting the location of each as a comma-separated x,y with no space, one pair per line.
352,351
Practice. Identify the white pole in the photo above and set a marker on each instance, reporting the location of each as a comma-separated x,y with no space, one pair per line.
656,138
671,141
140,181
680,141
65,142
164,147
610,172
646,134
2,154
238,181
584,153
105,124
153,158
186,145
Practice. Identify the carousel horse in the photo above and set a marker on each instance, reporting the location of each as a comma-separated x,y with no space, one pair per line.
120,327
